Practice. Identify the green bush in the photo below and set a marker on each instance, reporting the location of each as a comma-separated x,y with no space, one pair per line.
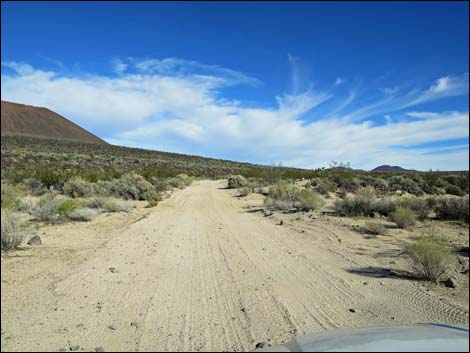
180,181
12,235
11,195
154,202
35,186
361,204
402,183
430,257
350,184
46,208
130,186
236,181
77,187
419,205
69,205
403,217
113,206
244,191
452,208
286,196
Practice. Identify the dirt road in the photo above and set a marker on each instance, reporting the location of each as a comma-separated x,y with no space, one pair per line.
198,272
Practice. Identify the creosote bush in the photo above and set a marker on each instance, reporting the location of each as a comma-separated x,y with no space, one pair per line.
236,181
452,208
286,196
245,191
430,257
361,204
403,217
77,187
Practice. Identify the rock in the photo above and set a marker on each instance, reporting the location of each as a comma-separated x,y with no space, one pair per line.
352,310
112,327
450,283
75,348
135,324
267,213
113,269
99,349
260,345
36,240
281,222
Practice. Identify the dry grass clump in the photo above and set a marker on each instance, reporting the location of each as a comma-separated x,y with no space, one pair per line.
452,208
285,196
83,214
374,228
12,235
403,217
430,257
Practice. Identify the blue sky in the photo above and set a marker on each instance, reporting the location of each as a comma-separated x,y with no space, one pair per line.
293,82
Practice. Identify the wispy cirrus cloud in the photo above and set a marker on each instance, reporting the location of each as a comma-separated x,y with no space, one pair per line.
179,105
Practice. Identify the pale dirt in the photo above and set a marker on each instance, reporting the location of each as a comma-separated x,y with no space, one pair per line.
205,271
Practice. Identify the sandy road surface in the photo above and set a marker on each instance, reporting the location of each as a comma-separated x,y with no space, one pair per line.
198,272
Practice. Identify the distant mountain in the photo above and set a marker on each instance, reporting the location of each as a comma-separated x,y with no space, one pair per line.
392,169
25,120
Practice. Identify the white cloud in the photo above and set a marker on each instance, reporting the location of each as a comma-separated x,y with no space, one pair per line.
119,66
339,81
443,87
177,105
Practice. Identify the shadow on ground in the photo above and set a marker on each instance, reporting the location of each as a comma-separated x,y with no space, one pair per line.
381,272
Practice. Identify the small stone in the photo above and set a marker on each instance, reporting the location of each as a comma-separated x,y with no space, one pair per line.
99,349
36,240
135,324
112,327
113,269
281,222
260,345
75,348
352,310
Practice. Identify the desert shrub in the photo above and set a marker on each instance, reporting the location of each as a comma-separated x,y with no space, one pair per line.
350,184
77,187
129,186
69,205
244,191
113,206
160,184
46,208
307,200
453,190
418,205
82,214
236,181
361,204
325,186
263,190
26,204
11,195
374,228
12,235
180,181
430,257
154,202
286,196
96,202
35,186
397,182
452,208
403,217
386,205
380,185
